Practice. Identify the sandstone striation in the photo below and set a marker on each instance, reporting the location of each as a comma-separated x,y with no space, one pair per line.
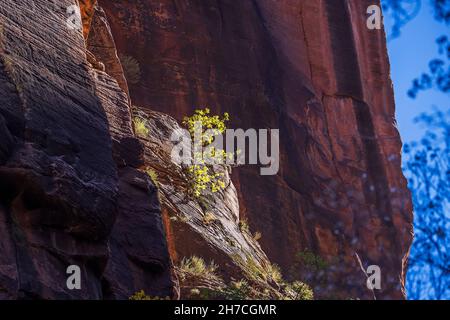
74,182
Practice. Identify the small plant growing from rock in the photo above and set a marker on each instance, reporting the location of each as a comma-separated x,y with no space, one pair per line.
202,175
243,226
298,291
203,179
238,290
273,273
311,260
199,280
153,176
141,295
267,273
197,267
140,127
195,292
311,268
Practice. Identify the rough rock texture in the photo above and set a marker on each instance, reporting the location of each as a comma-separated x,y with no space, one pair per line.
220,238
208,227
101,44
87,10
312,69
70,191
73,187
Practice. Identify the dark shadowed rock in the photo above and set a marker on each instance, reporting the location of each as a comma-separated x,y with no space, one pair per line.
67,156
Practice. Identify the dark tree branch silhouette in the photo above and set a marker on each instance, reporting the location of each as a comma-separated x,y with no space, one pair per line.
439,73
426,166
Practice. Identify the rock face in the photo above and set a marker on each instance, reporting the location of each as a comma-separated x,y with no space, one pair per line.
68,169
221,238
73,186
87,10
208,227
315,71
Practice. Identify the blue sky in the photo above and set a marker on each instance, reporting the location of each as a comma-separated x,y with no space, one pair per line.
409,55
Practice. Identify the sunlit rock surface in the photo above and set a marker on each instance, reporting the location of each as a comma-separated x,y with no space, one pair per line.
315,71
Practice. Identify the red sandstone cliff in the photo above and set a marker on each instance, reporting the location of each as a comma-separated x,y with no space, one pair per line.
71,180
70,191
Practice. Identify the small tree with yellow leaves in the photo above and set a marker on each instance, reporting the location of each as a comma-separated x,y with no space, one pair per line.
203,129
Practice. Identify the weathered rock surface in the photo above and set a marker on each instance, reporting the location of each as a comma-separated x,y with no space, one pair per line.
188,216
100,43
70,190
209,226
73,187
313,70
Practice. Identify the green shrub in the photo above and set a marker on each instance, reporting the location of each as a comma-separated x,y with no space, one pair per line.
238,290
245,228
243,225
309,259
201,175
153,176
195,292
257,236
140,295
266,273
202,178
312,269
195,266
200,281
273,273
299,291
140,127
